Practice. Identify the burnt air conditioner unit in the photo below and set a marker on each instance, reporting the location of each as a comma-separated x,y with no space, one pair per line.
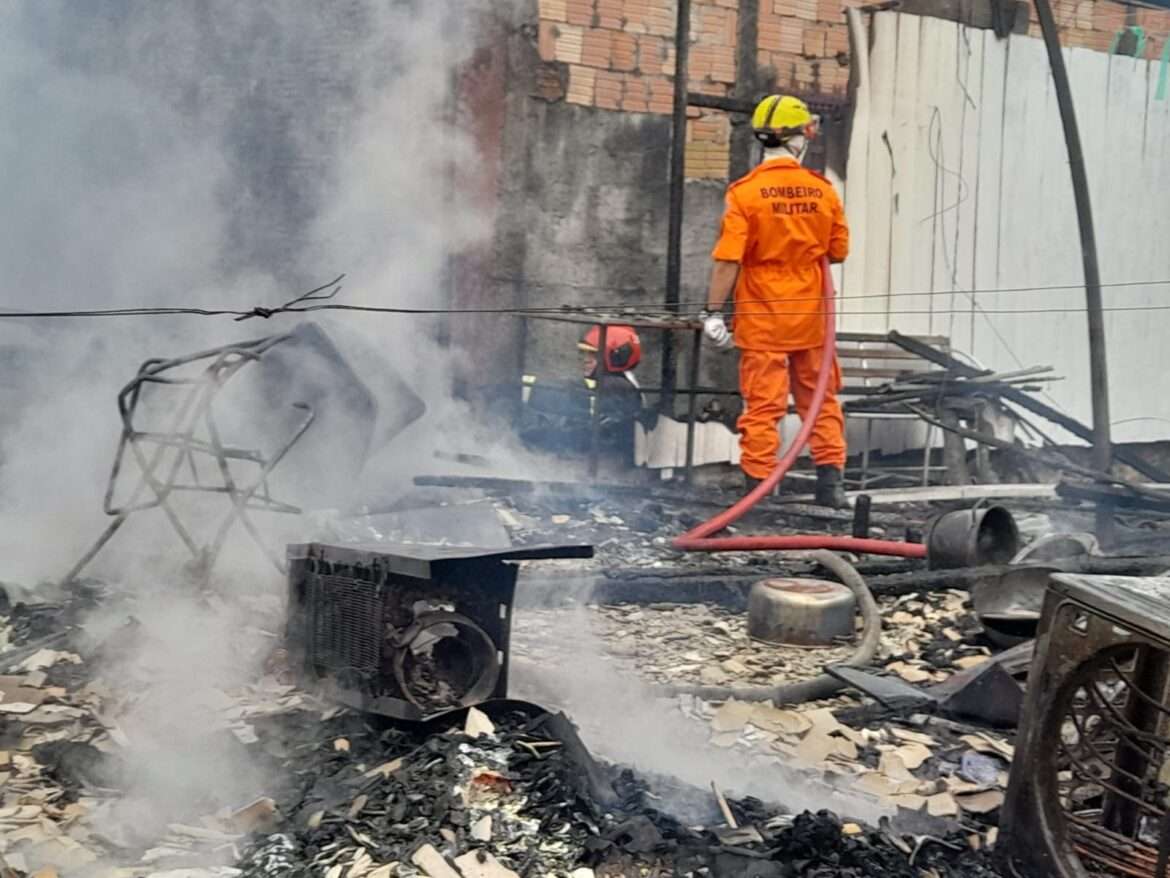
406,631
1090,781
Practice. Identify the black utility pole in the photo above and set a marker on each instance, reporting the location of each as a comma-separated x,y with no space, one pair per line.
1102,442
678,146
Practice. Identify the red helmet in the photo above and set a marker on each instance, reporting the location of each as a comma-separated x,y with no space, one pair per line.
623,348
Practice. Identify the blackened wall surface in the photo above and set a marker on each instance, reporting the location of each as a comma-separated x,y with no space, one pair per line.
582,217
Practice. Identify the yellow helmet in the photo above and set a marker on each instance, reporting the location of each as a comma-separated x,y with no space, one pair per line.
778,117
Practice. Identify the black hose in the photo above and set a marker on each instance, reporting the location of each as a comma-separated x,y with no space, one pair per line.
822,685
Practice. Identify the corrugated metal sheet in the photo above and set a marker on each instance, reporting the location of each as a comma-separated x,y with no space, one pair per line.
958,187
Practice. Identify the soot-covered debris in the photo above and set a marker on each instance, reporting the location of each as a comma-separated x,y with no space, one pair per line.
526,799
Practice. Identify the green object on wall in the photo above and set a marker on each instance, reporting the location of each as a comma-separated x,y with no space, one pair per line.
1139,41
1163,72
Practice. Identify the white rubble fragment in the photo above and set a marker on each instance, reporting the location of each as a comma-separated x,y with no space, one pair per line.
245,734
980,802
481,864
254,815
40,660
913,754
942,805
432,863
481,829
478,724
732,716
385,769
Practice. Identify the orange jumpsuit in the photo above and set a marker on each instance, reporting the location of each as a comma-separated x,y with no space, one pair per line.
780,220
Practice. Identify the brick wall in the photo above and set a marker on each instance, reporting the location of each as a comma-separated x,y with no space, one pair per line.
1094,24
619,54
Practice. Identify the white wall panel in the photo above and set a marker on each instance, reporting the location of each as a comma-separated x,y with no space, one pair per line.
967,199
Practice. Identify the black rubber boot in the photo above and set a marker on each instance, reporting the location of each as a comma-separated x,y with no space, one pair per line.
830,489
750,484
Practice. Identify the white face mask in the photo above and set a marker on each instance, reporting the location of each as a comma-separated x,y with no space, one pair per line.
796,147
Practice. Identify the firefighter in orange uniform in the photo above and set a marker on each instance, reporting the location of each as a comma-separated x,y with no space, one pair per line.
779,222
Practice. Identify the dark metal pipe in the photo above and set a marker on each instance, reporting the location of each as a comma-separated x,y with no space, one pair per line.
1098,368
693,400
861,513
601,373
678,147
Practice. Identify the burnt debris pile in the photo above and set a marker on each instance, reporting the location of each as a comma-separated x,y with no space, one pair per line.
518,794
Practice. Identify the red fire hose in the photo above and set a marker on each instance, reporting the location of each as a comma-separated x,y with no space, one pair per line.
699,539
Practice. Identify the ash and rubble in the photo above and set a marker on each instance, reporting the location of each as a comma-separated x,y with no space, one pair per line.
359,796
351,796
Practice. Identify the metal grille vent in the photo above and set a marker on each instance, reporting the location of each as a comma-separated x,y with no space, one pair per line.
1111,769
347,627
1090,787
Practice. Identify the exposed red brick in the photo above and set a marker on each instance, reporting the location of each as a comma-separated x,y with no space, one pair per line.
710,88
551,81
804,74
723,64
553,10
1155,21
805,9
834,78
715,25
707,160
1108,16
610,14
654,53
791,36
831,11
784,69
1065,12
836,41
580,11
597,48
709,127
661,92
635,97
635,14
581,81
625,51
608,90
770,30
568,41
701,61
814,42
660,18
547,40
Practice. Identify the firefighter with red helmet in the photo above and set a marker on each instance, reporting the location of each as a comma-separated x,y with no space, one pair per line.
623,350
559,417
621,397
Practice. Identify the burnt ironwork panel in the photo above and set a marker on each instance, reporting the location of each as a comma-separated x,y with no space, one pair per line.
1090,783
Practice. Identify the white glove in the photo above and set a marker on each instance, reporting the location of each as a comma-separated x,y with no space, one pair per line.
715,329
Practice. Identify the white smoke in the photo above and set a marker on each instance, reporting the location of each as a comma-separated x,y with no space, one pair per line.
214,154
